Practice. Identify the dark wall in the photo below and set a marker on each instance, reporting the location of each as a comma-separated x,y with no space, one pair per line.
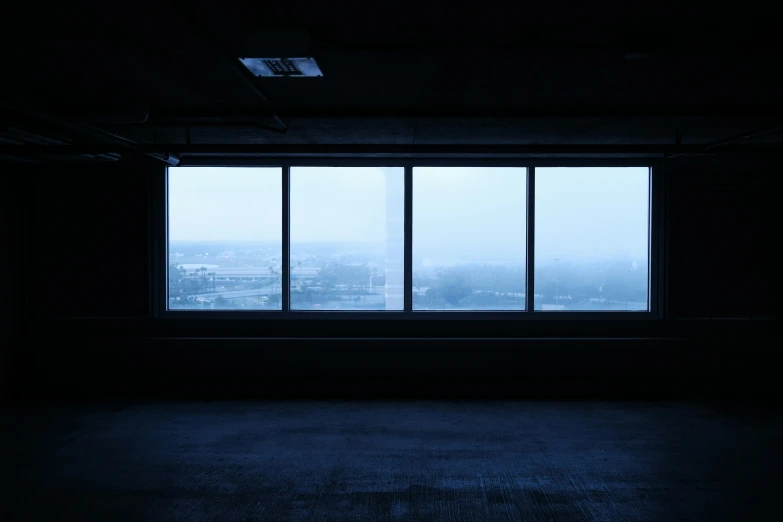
89,242
90,328
12,295
74,248
5,296
723,238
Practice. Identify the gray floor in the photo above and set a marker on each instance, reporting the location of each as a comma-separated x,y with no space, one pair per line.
417,461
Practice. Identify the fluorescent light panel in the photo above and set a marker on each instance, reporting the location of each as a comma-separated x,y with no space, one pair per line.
283,67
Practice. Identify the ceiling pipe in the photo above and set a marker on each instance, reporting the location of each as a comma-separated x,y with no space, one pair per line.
212,114
109,143
397,152
716,145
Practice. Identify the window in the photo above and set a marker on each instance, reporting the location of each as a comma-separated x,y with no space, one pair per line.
460,241
347,238
592,238
469,238
224,238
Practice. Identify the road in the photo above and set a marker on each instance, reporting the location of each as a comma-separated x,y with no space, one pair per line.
242,293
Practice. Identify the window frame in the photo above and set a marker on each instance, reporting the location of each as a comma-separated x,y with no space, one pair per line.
656,243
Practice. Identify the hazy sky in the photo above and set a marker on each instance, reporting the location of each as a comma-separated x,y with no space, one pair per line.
586,212
473,213
225,204
339,204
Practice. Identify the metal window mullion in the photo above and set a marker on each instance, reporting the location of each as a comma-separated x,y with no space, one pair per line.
531,237
408,224
285,269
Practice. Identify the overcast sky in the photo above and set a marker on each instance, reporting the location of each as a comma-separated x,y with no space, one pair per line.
585,212
471,213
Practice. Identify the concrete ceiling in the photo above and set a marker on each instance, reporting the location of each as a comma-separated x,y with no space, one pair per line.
417,73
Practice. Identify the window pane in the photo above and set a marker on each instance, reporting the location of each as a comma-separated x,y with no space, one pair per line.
347,238
225,238
469,238
592,238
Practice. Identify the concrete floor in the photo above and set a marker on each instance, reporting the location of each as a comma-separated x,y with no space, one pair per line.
417,461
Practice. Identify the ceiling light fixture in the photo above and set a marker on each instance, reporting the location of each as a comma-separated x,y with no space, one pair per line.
283,67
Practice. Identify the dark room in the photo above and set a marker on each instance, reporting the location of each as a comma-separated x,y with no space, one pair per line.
415,261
